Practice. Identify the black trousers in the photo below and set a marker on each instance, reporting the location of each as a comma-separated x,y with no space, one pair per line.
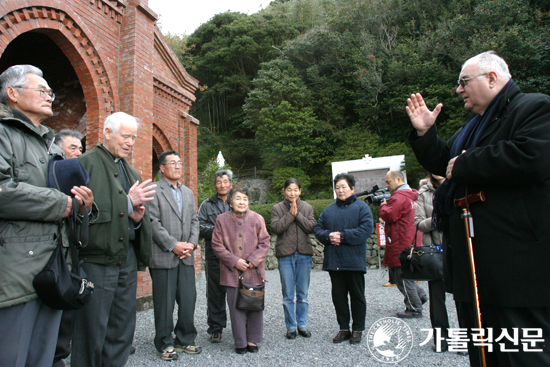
350,283
438,310
63,347
172,286
496,317
215,293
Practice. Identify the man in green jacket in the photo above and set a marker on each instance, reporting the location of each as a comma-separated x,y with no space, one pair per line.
30,214
120,241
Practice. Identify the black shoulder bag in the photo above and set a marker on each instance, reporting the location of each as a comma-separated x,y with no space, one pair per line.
422,263
56,285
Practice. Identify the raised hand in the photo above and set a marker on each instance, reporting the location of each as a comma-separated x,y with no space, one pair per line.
140,193
421,117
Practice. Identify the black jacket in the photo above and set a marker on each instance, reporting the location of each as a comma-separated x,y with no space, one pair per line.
511,165
208,213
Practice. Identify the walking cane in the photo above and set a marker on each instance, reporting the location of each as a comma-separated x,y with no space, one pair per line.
464,203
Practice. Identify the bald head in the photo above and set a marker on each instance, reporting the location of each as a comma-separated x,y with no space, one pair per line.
394,179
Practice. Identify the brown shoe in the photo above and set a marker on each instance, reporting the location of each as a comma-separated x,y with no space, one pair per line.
355,337
341,336
388,284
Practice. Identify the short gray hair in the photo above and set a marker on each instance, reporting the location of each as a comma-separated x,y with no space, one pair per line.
113,121
15,76
60,136
223,172
490,61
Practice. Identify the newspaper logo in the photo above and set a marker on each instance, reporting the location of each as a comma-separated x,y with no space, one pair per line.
390,340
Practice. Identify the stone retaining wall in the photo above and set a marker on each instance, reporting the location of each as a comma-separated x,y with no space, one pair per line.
318,248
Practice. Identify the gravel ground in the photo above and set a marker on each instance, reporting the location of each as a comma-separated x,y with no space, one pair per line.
318,350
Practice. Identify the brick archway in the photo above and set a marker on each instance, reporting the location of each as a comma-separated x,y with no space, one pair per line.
74,38
160,144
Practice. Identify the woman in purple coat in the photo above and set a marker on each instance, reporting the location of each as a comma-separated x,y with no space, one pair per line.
241,242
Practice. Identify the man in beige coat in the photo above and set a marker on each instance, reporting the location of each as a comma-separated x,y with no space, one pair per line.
175,237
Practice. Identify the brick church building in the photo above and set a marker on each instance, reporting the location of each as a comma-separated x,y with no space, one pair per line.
104,56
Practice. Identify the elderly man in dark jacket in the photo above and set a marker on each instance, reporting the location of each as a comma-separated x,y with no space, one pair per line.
30,214
343,228
503,151
120,243
209,211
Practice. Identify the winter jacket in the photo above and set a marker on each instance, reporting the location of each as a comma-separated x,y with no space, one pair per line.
109,235
512,237
240,237
398,216
208,213
353,219
29,210
292,232
423,215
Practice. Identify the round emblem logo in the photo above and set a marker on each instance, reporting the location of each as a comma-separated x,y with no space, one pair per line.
390,340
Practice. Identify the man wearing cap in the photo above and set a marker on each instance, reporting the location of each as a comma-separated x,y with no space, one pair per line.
30,214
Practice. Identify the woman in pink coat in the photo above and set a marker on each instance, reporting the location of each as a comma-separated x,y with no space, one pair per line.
241,242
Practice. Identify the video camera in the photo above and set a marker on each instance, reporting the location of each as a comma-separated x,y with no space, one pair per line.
375,196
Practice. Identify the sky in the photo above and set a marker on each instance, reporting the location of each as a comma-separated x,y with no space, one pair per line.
184,16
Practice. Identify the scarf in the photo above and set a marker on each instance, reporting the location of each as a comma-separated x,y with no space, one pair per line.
467,139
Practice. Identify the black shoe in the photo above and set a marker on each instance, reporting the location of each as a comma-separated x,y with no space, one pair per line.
291,334
424,299
132,349
408,314
241,350
252,348
355,337
341,336
216,337
304,332
462,353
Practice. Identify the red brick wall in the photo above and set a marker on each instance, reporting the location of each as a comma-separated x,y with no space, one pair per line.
123,64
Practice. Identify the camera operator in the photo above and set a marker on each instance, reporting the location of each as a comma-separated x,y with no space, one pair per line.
398,213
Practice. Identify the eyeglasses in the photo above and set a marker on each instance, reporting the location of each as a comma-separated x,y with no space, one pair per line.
463,82
43,92
173,163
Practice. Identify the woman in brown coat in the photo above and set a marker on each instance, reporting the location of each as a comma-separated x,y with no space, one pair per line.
292,220
241,242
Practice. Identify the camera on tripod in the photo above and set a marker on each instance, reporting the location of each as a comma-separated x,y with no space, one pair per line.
376,195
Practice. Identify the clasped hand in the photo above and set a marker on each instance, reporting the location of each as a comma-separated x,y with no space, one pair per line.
335,238
242,265
183,249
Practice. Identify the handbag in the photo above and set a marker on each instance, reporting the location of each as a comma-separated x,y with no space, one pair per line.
422,262
250,297
57,286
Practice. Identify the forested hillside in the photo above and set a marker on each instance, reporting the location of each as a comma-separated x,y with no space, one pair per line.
306,82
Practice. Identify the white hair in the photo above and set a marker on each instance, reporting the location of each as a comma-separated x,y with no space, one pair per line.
114,121
490,61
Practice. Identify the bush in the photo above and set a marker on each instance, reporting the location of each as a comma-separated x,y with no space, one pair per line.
280,175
